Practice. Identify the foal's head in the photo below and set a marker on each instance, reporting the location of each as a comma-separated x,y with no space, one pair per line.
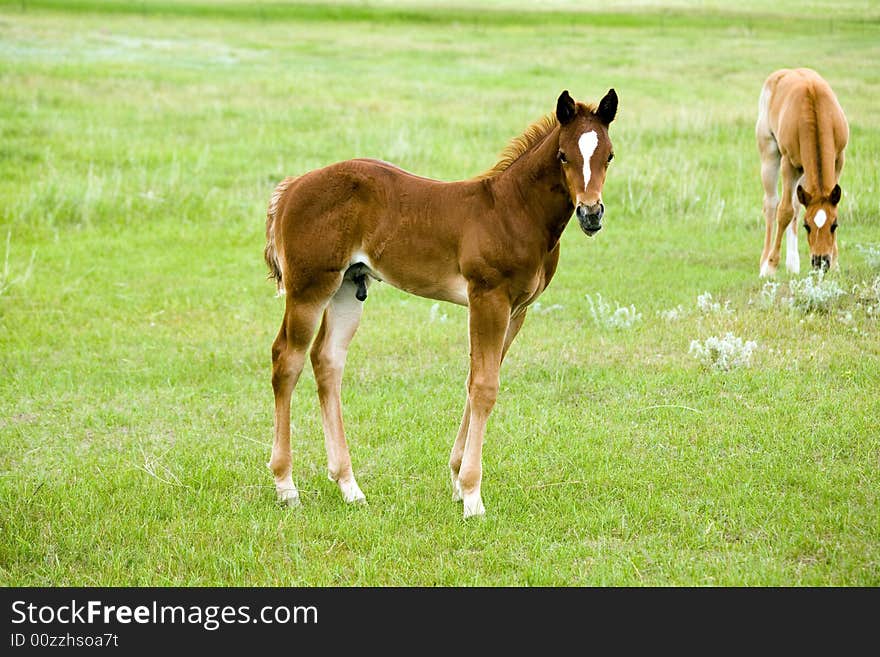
820,222
584,154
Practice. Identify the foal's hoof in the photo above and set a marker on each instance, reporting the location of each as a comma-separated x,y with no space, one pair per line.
288,498
768,269
473,507
456,488
352,493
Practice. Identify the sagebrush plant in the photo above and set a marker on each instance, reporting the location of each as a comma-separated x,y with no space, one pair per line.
673,314
723,353
436,314
541,309
707,305
867,296
871,254
768,294
621,317
815,293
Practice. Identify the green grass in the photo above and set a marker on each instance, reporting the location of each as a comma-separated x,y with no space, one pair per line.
139,143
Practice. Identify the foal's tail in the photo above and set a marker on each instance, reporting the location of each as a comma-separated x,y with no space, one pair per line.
270,252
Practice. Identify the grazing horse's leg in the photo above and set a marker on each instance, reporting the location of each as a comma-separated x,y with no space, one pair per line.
458,446
792,260
458,449
786,212
341,319
770,157
489,318
301,314
838,169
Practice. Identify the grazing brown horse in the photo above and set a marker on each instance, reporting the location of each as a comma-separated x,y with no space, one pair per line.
490,243
801,130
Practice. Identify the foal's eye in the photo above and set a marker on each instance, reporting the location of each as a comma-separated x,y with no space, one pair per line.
807,226
833,226
561,157
610,157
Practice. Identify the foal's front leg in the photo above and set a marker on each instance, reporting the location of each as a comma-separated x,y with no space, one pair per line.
457,454
489,318
786,213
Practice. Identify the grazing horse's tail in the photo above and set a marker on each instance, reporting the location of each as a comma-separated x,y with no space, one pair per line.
269,252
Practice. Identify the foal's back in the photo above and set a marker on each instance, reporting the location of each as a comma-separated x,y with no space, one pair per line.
802,109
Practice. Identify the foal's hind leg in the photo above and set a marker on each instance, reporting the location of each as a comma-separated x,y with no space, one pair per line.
770,159
786,213
458,446
301,314
341,319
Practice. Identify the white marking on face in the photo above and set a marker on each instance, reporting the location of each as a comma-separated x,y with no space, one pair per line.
587,143
820,218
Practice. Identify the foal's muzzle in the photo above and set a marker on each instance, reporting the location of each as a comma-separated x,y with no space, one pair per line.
822,262
590,217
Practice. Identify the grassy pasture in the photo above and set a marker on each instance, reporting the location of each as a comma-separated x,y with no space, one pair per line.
139,143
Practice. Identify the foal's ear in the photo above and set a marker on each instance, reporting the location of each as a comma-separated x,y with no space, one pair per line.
835,195
565,108
608,107
803,196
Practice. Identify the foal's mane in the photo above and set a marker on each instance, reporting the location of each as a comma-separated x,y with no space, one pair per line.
518,146
532,136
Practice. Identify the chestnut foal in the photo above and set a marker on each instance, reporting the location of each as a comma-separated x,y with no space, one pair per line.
490,243
802,131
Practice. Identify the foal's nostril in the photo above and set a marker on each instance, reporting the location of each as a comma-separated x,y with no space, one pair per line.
821,261
591,213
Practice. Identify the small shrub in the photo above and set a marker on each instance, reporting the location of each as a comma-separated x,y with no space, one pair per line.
539,309
723,353
621,317
815,293
707,305
871,253
768,294
867,295
673,314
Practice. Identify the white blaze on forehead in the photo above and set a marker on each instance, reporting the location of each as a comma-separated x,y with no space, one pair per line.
587,143
820,218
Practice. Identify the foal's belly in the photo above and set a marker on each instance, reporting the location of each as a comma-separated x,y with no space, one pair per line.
426,278
452,289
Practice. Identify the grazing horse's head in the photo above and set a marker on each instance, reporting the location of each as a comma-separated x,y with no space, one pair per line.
585,151
820,222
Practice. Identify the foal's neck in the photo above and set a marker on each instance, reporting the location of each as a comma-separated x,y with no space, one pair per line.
535,184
